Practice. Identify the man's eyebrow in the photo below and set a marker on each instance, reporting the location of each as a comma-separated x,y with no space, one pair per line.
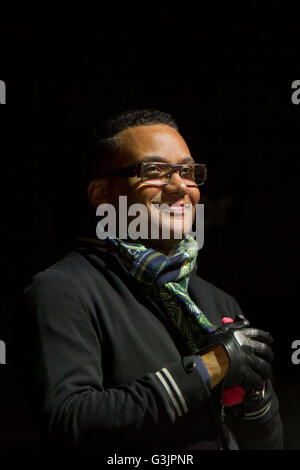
157,158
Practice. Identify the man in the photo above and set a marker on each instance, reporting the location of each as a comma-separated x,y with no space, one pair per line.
126,347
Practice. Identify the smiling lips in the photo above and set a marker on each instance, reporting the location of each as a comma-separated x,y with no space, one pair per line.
178,207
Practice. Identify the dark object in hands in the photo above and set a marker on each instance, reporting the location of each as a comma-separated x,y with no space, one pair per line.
249,352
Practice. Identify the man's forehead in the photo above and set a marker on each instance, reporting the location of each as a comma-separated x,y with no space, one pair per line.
156,139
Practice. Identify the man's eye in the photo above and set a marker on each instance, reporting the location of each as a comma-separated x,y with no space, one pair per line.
187,172
152,169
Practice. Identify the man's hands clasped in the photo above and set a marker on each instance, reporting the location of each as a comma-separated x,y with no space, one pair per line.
249,352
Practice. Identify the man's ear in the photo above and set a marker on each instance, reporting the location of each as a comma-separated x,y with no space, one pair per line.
97,191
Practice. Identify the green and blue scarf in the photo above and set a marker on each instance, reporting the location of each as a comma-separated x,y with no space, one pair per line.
166,278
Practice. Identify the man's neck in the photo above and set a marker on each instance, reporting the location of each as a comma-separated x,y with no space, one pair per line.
155,245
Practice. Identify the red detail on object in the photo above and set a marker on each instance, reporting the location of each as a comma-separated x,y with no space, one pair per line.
226,320
234,395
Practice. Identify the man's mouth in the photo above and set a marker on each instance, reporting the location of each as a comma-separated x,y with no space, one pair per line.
176,216
177,208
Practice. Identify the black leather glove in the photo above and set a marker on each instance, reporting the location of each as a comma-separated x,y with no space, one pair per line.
249,354
256,421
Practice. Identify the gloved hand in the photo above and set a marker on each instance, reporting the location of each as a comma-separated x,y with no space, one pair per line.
234,395
249,354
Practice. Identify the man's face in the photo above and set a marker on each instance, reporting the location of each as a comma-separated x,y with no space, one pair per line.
139,144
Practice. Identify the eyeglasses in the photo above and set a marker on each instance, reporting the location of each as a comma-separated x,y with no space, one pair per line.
160,174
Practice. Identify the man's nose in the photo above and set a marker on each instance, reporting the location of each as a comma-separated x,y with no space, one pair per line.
176,184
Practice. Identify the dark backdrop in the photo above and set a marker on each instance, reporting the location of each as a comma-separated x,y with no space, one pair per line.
243,124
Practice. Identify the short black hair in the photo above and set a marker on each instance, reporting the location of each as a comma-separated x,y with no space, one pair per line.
104,136
116,123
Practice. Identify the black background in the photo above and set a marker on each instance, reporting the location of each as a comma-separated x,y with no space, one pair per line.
231,96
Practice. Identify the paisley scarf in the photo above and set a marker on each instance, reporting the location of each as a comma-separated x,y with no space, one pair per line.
166,279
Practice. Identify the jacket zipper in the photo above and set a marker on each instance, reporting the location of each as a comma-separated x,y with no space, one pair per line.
223,439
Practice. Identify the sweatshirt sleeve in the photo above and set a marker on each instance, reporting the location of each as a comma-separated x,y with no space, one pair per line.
63,357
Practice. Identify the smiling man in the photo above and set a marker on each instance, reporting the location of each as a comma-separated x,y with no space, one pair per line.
147,153
127,347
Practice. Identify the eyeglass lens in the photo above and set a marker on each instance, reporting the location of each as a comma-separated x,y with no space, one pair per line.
162,172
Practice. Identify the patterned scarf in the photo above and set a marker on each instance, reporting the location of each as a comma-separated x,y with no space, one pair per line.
166,278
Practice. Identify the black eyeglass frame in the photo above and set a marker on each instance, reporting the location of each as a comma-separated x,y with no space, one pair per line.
135,170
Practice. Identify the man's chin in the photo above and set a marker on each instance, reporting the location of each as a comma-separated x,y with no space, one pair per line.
164,246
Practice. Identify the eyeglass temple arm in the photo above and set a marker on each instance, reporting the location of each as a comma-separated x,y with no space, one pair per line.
124,172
